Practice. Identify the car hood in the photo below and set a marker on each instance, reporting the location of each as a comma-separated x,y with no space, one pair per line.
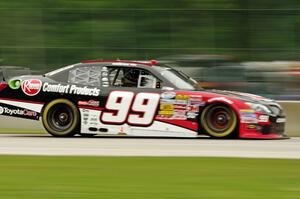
246,97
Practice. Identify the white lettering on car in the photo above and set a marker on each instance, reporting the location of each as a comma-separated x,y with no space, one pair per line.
70,89
125,107
24,112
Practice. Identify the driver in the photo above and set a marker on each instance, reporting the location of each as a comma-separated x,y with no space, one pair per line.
131,77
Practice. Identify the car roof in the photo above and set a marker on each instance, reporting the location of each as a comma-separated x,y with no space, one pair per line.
145,63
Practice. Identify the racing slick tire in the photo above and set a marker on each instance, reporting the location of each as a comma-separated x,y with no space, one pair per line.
219,121
61,118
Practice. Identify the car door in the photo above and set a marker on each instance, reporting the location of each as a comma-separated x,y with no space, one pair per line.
131,96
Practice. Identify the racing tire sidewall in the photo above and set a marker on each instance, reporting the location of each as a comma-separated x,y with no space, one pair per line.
230,132
75,122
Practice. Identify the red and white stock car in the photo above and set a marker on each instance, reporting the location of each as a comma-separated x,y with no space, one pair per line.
136,99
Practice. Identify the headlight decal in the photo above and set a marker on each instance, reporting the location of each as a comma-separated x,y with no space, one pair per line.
259,108
248,116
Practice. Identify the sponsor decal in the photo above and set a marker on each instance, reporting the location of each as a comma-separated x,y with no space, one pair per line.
263,118
14,84
179,117
218,99
122,131
245,114
181,97
168,95
92,103
172,101
180,102
166,107
180,106
249,115
167,101
191,115
94,119
163,117
85,110
85,116
280,120
31,87
166,112
70,89
193,108
196,97
247,111
196,100
180,112
17,112
172,117
56,88
251,126
198,103
248,118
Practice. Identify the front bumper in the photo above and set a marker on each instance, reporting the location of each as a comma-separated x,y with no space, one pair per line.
274,128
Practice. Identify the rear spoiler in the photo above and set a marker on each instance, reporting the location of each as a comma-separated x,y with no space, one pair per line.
7,72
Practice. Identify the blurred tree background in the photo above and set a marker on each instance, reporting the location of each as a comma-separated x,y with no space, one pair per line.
46,34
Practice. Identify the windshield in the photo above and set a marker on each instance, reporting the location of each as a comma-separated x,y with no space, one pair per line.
177,78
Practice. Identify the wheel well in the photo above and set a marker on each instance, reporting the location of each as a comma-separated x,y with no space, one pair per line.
48,100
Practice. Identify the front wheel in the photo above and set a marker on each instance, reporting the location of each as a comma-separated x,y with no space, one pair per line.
61,118
219,121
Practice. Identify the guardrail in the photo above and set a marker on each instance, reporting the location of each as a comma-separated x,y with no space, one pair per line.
292,110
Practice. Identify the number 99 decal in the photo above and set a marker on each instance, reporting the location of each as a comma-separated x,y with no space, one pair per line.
125,107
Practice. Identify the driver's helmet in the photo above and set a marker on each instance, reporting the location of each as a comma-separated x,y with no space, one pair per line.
132,74
131,77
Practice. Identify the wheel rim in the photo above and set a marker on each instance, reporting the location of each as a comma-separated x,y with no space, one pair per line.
60,117
219,121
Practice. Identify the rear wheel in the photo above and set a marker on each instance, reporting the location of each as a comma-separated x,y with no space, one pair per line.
61,118
219,121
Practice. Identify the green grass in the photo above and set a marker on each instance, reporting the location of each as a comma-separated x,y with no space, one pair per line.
34,177
22,131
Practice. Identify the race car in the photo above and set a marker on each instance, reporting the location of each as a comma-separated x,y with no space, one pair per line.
136,98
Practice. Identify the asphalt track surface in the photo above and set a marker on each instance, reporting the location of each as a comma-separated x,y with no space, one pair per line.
17,144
